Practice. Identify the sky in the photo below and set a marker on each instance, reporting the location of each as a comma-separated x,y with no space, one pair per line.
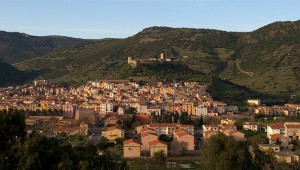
95,19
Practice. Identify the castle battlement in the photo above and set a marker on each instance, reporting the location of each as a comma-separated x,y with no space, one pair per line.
135,62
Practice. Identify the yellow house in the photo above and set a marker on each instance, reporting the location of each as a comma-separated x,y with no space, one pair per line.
189,108
132,148
287,156
269,147
170,90
111,133
44,106
156,146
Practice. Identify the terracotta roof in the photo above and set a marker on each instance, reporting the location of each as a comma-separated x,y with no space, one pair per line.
154,142
111,118
132,140
66,129
143,118
146,129
275,137
148,133
292,126
209,132
277,126
251,123
169,125
181,132
112,128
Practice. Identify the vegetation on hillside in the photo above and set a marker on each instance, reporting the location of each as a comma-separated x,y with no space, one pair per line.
16,47
265,61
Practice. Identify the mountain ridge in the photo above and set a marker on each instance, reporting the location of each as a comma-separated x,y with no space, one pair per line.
265,60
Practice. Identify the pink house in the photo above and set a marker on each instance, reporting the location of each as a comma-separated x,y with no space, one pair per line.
182,135
147,137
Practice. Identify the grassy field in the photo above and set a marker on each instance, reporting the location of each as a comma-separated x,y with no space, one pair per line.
150,164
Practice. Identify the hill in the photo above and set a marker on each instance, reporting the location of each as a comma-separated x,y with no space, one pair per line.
265,60
16,47
9,75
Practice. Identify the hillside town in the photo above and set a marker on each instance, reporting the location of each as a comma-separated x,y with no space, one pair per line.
147,117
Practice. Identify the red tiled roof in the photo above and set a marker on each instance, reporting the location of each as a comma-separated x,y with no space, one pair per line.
275,137
277,126
292,126
143,118
112,128
209,132
148,133
111,118
154,142
169,125
251,123
132,140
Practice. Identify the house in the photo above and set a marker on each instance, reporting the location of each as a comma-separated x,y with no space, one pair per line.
201,110
228,130
211,127
254,102
232,108
182,135
227,121
287,157
275,129
239,136
106,107
146,137
284,141
132,148
70,131
189,107
269,147
208,134
156,146
121,110
86,115
290,130
69,110
254,126
112,120
111,133
166,128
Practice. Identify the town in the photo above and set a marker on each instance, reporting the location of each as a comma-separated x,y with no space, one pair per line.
140,119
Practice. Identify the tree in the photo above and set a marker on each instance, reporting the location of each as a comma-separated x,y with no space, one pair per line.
178,148
223,152
165,138
160,157
12,128
130,110
119,141
258,139
104,144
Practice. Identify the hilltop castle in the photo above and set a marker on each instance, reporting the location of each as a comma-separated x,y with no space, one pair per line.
135,62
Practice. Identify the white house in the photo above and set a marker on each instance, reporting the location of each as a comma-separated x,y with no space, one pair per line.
201,110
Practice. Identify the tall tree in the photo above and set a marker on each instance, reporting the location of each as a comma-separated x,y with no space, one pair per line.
12,128
224,153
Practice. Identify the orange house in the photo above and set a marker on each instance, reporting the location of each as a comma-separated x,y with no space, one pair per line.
182,135
147,137
156,146
132,148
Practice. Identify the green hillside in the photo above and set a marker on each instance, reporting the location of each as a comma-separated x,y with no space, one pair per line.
265,60
11,76
16,47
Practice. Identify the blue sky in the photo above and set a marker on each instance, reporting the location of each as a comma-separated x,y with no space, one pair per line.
122,18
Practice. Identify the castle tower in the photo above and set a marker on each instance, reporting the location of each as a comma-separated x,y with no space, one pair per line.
129,60
163,56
